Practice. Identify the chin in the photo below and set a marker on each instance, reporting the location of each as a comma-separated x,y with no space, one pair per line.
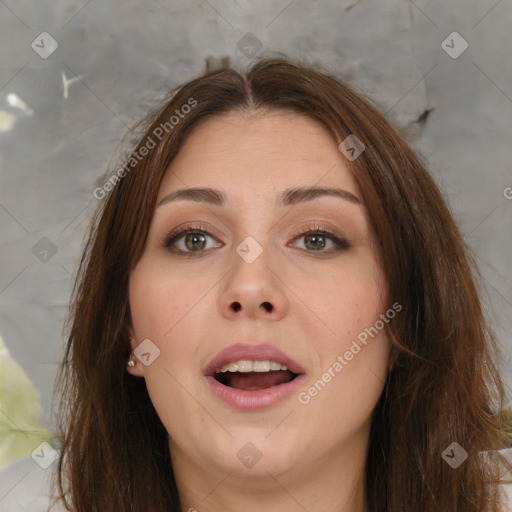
255,456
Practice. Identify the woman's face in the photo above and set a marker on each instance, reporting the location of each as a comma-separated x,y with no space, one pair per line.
247,284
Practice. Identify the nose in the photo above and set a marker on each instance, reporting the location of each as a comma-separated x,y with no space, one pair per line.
253,289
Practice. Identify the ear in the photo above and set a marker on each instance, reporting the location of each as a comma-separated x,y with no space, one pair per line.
138,369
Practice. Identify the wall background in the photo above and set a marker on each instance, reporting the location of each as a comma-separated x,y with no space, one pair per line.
63,114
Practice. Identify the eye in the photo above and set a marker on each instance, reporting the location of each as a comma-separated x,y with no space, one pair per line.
194,239
316,239
189,240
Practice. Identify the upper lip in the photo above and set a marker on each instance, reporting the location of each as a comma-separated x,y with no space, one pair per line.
251,352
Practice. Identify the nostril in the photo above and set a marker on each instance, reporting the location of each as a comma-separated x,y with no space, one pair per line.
236,306
267,306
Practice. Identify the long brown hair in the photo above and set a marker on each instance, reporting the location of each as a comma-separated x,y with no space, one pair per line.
443,386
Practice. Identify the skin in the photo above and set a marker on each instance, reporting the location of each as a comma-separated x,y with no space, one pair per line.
312,455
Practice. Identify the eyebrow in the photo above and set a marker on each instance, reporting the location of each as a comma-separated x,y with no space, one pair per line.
289,197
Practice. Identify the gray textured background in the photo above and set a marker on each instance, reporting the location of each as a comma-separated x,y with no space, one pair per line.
62,118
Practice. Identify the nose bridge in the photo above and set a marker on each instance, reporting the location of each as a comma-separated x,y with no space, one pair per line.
250,262
251,286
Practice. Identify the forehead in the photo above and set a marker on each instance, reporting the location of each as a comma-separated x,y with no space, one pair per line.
259,154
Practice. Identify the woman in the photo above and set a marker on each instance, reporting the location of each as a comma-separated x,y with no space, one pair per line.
276,311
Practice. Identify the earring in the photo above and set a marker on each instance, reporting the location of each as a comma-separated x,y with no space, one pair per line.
130,364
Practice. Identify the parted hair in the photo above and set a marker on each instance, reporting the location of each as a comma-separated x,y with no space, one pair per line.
442,387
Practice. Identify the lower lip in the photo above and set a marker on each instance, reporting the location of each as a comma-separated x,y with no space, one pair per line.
255,400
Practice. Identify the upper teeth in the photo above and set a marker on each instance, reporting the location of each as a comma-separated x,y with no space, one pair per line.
245,366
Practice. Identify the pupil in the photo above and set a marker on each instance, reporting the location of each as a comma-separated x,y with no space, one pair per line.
194,237
315,238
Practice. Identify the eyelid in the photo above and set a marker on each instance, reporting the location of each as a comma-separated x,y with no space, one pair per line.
339,240
183,228
315,226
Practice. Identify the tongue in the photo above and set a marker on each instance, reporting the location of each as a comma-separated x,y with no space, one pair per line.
254,380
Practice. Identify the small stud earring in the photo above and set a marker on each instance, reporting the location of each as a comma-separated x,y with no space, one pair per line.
130,364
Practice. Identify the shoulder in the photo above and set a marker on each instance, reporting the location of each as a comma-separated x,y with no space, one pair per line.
27,485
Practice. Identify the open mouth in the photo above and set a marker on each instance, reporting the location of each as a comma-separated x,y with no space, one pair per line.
251,377
254,380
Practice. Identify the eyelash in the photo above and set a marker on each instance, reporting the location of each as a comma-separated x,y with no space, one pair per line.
340,243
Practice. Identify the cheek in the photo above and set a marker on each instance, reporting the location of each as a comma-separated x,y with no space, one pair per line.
160,303
165,310
352,357
350,340
171,309
343,304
